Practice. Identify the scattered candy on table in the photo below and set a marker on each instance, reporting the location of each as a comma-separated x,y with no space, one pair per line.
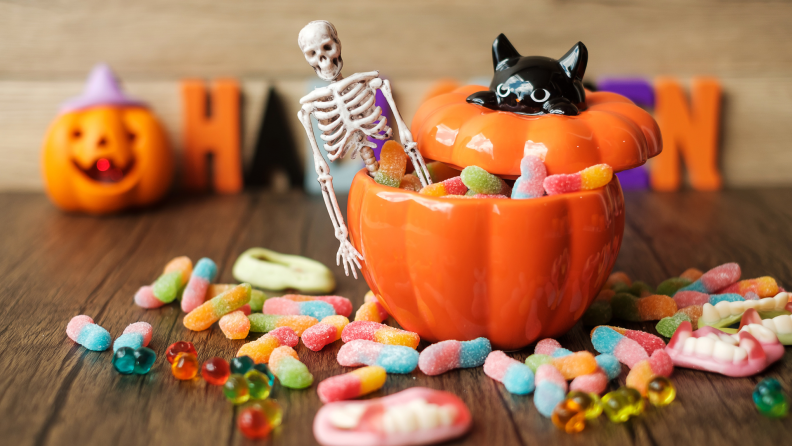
127,360
134,336
449,355
258,384
393,358
373,331
517,377
715,279
551,347
314,308
569,417
537,359
184,366
576,364
176,274
82,330
261,349
724,314
264,323
215,371
258,419
595,382
351,385
661,391
235,325
371,311
341,305
622,403
144,297
212,310
288,368
179,347
551,388
195,293
324,333
769,398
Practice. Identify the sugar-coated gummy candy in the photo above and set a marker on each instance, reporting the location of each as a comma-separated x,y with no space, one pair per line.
625,307
595,382
588,402
693,312
609,364
599,313
212,310
621,404
236,389
452,186
325,332
769,398
534,361
689,298
449,355
691,274
215,371
648,341
82,330
373,331
658,364
668,325
315,308
124,360
241,364
179,347
530,184
351,385
656,307
640,289
393,358
669,287
392,164
291,372
439,171
258,419
618,277
589,178
341,305
551,388
134,336
547,346
410,182
576,364
627,351
184,366
568,417
517,377
258,384
235,325
480,181
175,275
761,286
605,295
661,391
195,293
714,299
371,311
144,297
261,349
715,279
264,323
257,299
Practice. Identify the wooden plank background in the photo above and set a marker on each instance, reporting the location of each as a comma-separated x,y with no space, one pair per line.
48,47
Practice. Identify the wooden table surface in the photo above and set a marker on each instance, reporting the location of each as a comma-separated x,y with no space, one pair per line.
54,266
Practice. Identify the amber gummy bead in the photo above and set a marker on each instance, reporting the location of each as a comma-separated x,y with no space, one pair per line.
184,366
215,371
660,391
179,347
569,417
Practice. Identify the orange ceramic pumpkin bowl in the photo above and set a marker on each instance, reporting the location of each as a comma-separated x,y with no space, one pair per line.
512,271
104,159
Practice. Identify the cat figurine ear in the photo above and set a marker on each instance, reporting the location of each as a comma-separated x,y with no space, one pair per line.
574,61
484,98
503,50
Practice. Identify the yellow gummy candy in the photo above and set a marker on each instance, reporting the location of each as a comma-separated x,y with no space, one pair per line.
596,176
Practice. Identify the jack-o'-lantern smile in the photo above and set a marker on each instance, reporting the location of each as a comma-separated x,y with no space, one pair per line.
104,170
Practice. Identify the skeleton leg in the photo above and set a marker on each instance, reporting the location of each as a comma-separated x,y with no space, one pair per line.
346,251
406,138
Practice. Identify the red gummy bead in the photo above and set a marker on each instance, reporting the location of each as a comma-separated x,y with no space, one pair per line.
253,424
179,347
216,371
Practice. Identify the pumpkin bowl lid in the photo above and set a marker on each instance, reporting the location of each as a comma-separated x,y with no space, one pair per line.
611,130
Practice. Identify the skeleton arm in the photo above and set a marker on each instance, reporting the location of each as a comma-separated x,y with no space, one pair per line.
406,138
346,251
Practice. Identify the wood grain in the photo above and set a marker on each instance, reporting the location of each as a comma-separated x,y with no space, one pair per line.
56,265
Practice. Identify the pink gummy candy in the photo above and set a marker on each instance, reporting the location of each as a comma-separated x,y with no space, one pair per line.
144,328
563,183
690,298
548,373
497,363
245,309
455,186
285,335
318,336
648,341
281,306
341,305
76,324
145,298
596,382
629,352
661,363
720,277
546,347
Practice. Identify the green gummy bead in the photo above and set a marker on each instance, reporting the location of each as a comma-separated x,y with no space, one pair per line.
263,323
535,360
167,286
257,299
293,374
599,313
638,287
258,384
481,181
236,389
669,287
144,360
668,325
625,307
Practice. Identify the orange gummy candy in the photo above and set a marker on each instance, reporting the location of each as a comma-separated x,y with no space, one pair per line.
576,364
656,307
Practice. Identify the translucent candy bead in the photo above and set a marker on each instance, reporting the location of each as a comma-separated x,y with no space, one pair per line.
184,366
264,368
257,420
589,403
621,404
569,417
124,360
769,398
215,371
144,360
660,391
240,365
236,389
179,347
258,384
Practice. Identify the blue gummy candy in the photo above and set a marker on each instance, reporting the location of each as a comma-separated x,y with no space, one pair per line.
695,286
729,297
206,269
547,397
560,353
131,340
398,359
609,364
605,339
317,309
124,360
519,379
94,337
474,353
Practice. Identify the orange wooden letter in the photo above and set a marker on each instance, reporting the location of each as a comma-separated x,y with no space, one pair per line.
216,133
689,131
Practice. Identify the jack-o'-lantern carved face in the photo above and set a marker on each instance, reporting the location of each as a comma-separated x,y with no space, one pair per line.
104,158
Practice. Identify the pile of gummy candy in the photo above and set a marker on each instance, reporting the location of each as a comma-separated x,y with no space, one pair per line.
566,385
475,182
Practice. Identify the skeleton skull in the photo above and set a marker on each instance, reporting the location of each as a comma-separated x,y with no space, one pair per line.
319,43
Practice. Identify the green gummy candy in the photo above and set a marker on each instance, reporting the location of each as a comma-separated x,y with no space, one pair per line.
481,181
599,313
668,325
670,286
639,287
263,323
387,180
620,287
535,360
625,307
293,374
167,286
257,299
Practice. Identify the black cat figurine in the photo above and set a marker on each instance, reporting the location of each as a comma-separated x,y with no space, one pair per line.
535,85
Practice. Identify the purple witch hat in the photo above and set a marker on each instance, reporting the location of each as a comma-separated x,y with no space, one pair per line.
102,88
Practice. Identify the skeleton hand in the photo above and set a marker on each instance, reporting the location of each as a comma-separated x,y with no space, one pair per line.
349,255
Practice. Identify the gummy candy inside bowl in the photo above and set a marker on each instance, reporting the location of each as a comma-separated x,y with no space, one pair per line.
512,271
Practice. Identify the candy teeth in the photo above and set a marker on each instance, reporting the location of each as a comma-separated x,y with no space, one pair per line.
347,416
762,334
417,415
712,314
779,324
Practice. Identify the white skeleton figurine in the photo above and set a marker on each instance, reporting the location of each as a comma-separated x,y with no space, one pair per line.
347,114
